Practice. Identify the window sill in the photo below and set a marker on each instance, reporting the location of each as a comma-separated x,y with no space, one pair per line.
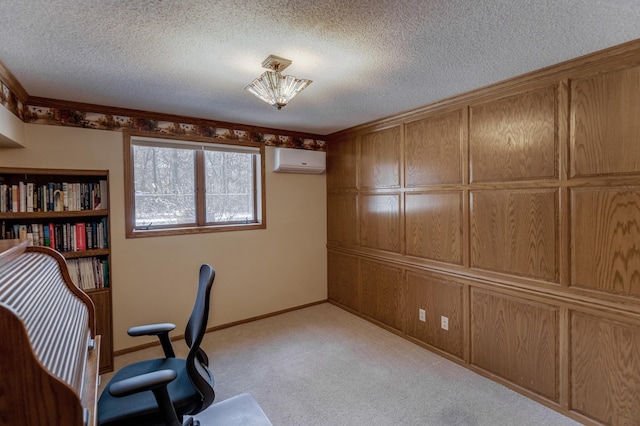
164,232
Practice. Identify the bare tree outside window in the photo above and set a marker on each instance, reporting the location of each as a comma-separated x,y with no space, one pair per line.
229,186
164,182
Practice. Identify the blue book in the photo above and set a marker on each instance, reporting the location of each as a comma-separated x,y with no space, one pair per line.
47,237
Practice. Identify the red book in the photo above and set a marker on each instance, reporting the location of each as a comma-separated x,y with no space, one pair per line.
52,239
81,240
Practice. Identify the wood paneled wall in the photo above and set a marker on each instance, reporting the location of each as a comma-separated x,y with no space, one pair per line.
514,212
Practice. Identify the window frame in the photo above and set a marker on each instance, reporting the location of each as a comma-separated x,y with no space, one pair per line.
200,226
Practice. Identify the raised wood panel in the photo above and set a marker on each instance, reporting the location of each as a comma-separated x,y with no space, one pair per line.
438,298
341,164
102,301
605,242
344,280
516,339
342,218
380,159
433,150
515,231
605,369
549,172
514,138
380,222
382,293
605,129
433,225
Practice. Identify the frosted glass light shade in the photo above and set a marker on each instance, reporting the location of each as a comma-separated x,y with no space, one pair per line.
277,89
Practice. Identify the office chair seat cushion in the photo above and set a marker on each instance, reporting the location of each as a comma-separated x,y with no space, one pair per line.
141,408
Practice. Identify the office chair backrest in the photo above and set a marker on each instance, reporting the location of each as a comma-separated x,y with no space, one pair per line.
197,360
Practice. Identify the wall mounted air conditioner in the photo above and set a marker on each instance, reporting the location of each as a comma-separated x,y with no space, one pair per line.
289,160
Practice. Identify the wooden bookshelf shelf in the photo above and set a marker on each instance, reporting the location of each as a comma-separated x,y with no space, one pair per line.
53,215
84,253
81,233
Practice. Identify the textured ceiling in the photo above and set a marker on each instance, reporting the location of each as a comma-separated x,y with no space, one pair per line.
367,58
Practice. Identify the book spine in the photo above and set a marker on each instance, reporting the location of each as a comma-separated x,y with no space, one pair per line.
105,233
38,199
29,197
65,241
97,272
22,232
29,234
46,235
22,200
86,197
104,195
95,230
81,236
65,196
3,198
35,234
15,199
76,196
72,266
58,236
73,244
105,273
52,237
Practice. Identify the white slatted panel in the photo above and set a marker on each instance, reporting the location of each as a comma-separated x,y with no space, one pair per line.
56,320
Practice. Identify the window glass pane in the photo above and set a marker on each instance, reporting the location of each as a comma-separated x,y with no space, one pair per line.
164,186
229,180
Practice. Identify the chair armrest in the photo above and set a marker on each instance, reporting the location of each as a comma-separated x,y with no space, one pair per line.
160,330
143,382
151,329
156,382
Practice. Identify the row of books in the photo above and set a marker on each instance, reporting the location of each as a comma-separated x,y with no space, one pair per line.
89,273
78,236
53,197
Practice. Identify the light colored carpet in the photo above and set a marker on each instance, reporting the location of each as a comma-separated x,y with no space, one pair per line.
322,366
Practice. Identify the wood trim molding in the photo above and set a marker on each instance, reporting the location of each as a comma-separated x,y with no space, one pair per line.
508,284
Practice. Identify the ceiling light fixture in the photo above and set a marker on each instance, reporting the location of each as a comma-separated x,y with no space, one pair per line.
274,88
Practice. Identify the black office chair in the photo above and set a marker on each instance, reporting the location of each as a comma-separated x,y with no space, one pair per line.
162,391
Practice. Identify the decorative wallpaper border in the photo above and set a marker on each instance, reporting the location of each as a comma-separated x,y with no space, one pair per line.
92,120
10,101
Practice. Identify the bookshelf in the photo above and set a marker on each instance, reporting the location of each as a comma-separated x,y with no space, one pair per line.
67,210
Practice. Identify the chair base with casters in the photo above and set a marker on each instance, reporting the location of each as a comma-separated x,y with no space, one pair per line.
241,410
163,391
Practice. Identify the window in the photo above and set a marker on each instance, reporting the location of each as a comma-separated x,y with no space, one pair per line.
177,186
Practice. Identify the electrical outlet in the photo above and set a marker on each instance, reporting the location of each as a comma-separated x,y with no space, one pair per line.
444,323
422,315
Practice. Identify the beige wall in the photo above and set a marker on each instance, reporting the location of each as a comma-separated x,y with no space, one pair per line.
154,279
11,129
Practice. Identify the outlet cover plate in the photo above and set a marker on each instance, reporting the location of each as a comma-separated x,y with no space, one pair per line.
444,323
